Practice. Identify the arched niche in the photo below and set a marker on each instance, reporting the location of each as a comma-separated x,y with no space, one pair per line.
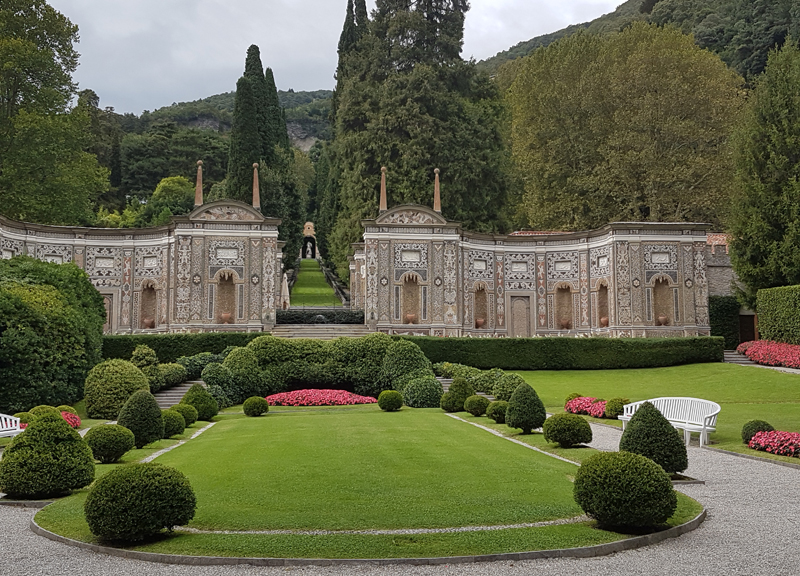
564,315
410,299
148,311
481,306
602,306
309,247
225,297
662,302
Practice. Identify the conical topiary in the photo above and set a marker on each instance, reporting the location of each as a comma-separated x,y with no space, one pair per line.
142,416
525,409
202,401
651,435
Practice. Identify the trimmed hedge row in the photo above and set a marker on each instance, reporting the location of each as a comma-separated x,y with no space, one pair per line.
170,347
779,314
570,353
319,317
723,312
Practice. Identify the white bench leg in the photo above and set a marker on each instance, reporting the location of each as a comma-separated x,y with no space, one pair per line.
687,437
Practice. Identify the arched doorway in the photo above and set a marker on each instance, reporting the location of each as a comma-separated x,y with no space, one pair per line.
225,302
148,311
564,314
481,307
662,303
602,306
410,303
309,247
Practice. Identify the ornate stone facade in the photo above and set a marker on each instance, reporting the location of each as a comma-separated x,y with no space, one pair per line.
216,269
625,279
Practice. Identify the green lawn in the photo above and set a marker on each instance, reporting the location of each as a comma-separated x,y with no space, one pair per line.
311,288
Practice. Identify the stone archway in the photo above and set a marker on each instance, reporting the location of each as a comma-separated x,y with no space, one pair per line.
309,247
410,295
225,298
148,312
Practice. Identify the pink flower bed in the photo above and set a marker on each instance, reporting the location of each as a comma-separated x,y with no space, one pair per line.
71,419
771,353
318,398
587,405
781,443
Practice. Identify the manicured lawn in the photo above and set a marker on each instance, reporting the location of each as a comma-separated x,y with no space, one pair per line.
311,288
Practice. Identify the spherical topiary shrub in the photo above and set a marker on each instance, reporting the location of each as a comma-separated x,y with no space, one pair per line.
48,459
109,385
404,361
218,394
525,409
202,401
154,378
65,408
753,427
24,417
41,410
497,411
135,502
174,423
457,394
143,356
255,406
172,374
390,400
424,392
142,416
245,375
567,430
215,374
572,396
189,413
624,490
650,434
505,386
450,403
476,405
616,407
109,443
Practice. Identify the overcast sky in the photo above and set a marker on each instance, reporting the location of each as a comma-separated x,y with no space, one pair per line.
144,54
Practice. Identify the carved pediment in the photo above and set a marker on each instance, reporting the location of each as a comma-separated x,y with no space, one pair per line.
410,215
226,210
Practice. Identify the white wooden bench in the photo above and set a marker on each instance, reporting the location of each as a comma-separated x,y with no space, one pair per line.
687,414
9,426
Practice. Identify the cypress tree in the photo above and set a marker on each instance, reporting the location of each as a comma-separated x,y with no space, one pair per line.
362,20
276,121
254,71
349,35
245,143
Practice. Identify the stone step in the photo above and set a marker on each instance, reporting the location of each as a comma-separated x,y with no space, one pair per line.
320,331
733,357
446,386
171,396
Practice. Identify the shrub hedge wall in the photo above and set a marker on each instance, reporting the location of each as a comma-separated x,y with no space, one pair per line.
170,347
779,314
724,314
570,353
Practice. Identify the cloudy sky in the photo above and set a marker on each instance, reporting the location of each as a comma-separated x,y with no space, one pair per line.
145,54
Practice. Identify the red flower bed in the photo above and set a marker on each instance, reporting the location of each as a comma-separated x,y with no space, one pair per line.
587,405
71,419
771,353
318,398
781,443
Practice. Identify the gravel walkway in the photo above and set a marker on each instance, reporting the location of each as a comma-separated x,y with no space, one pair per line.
752,525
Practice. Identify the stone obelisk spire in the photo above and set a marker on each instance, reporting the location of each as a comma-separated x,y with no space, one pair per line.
383,206
198,189
437,196
256,191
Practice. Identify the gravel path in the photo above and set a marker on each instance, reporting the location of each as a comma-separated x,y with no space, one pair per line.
751,529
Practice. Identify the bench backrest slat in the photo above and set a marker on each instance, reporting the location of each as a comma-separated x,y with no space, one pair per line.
676,409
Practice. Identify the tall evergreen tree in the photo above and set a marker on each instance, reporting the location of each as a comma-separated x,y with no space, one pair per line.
276,120
254,71
349,35
362,20
245,146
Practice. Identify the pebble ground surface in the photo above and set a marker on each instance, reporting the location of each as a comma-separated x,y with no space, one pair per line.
752,528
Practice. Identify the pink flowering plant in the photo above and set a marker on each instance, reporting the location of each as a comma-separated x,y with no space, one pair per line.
318,398
775,442
771,353
73,420
587,405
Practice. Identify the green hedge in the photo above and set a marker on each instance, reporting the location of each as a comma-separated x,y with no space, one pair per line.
779,314
570,353
724,314
319,317
170,347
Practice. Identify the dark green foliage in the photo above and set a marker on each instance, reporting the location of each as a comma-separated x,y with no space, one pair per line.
24,417
616,407
143,356
723,312
567,430
424,392
506,385
458,393
485,380
779,314
38,411
450,403
173,374
51,325
572,396
109,385
255,406
170,347
48,459
624,490
570,353
202,401
497,411
245,375
403,362
752,427
65,408
254,71
525,410
109,443
189,413
319,317
218,394
245,143
142,416
174,423
155,378
194,365
135,502
220,376
476,405
390,400
650,434
451,370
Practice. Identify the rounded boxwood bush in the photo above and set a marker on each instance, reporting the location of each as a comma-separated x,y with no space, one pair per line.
174,423
218,394
143,356
525,409
110,442
172,374
616,407
255,406
476,405
497,411
459,391
753,427
65,408
245,375
567,430
48,459
424,392
109,385
390,400
650,434
485,380
202,401
216,374
506,385
450,403
189,413
24,417
135,502
572,396
41,410
404,361
142,416
154,378
194,365
625,490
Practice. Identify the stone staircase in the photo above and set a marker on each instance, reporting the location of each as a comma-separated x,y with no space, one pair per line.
170,397
733,357
320,331
446,385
